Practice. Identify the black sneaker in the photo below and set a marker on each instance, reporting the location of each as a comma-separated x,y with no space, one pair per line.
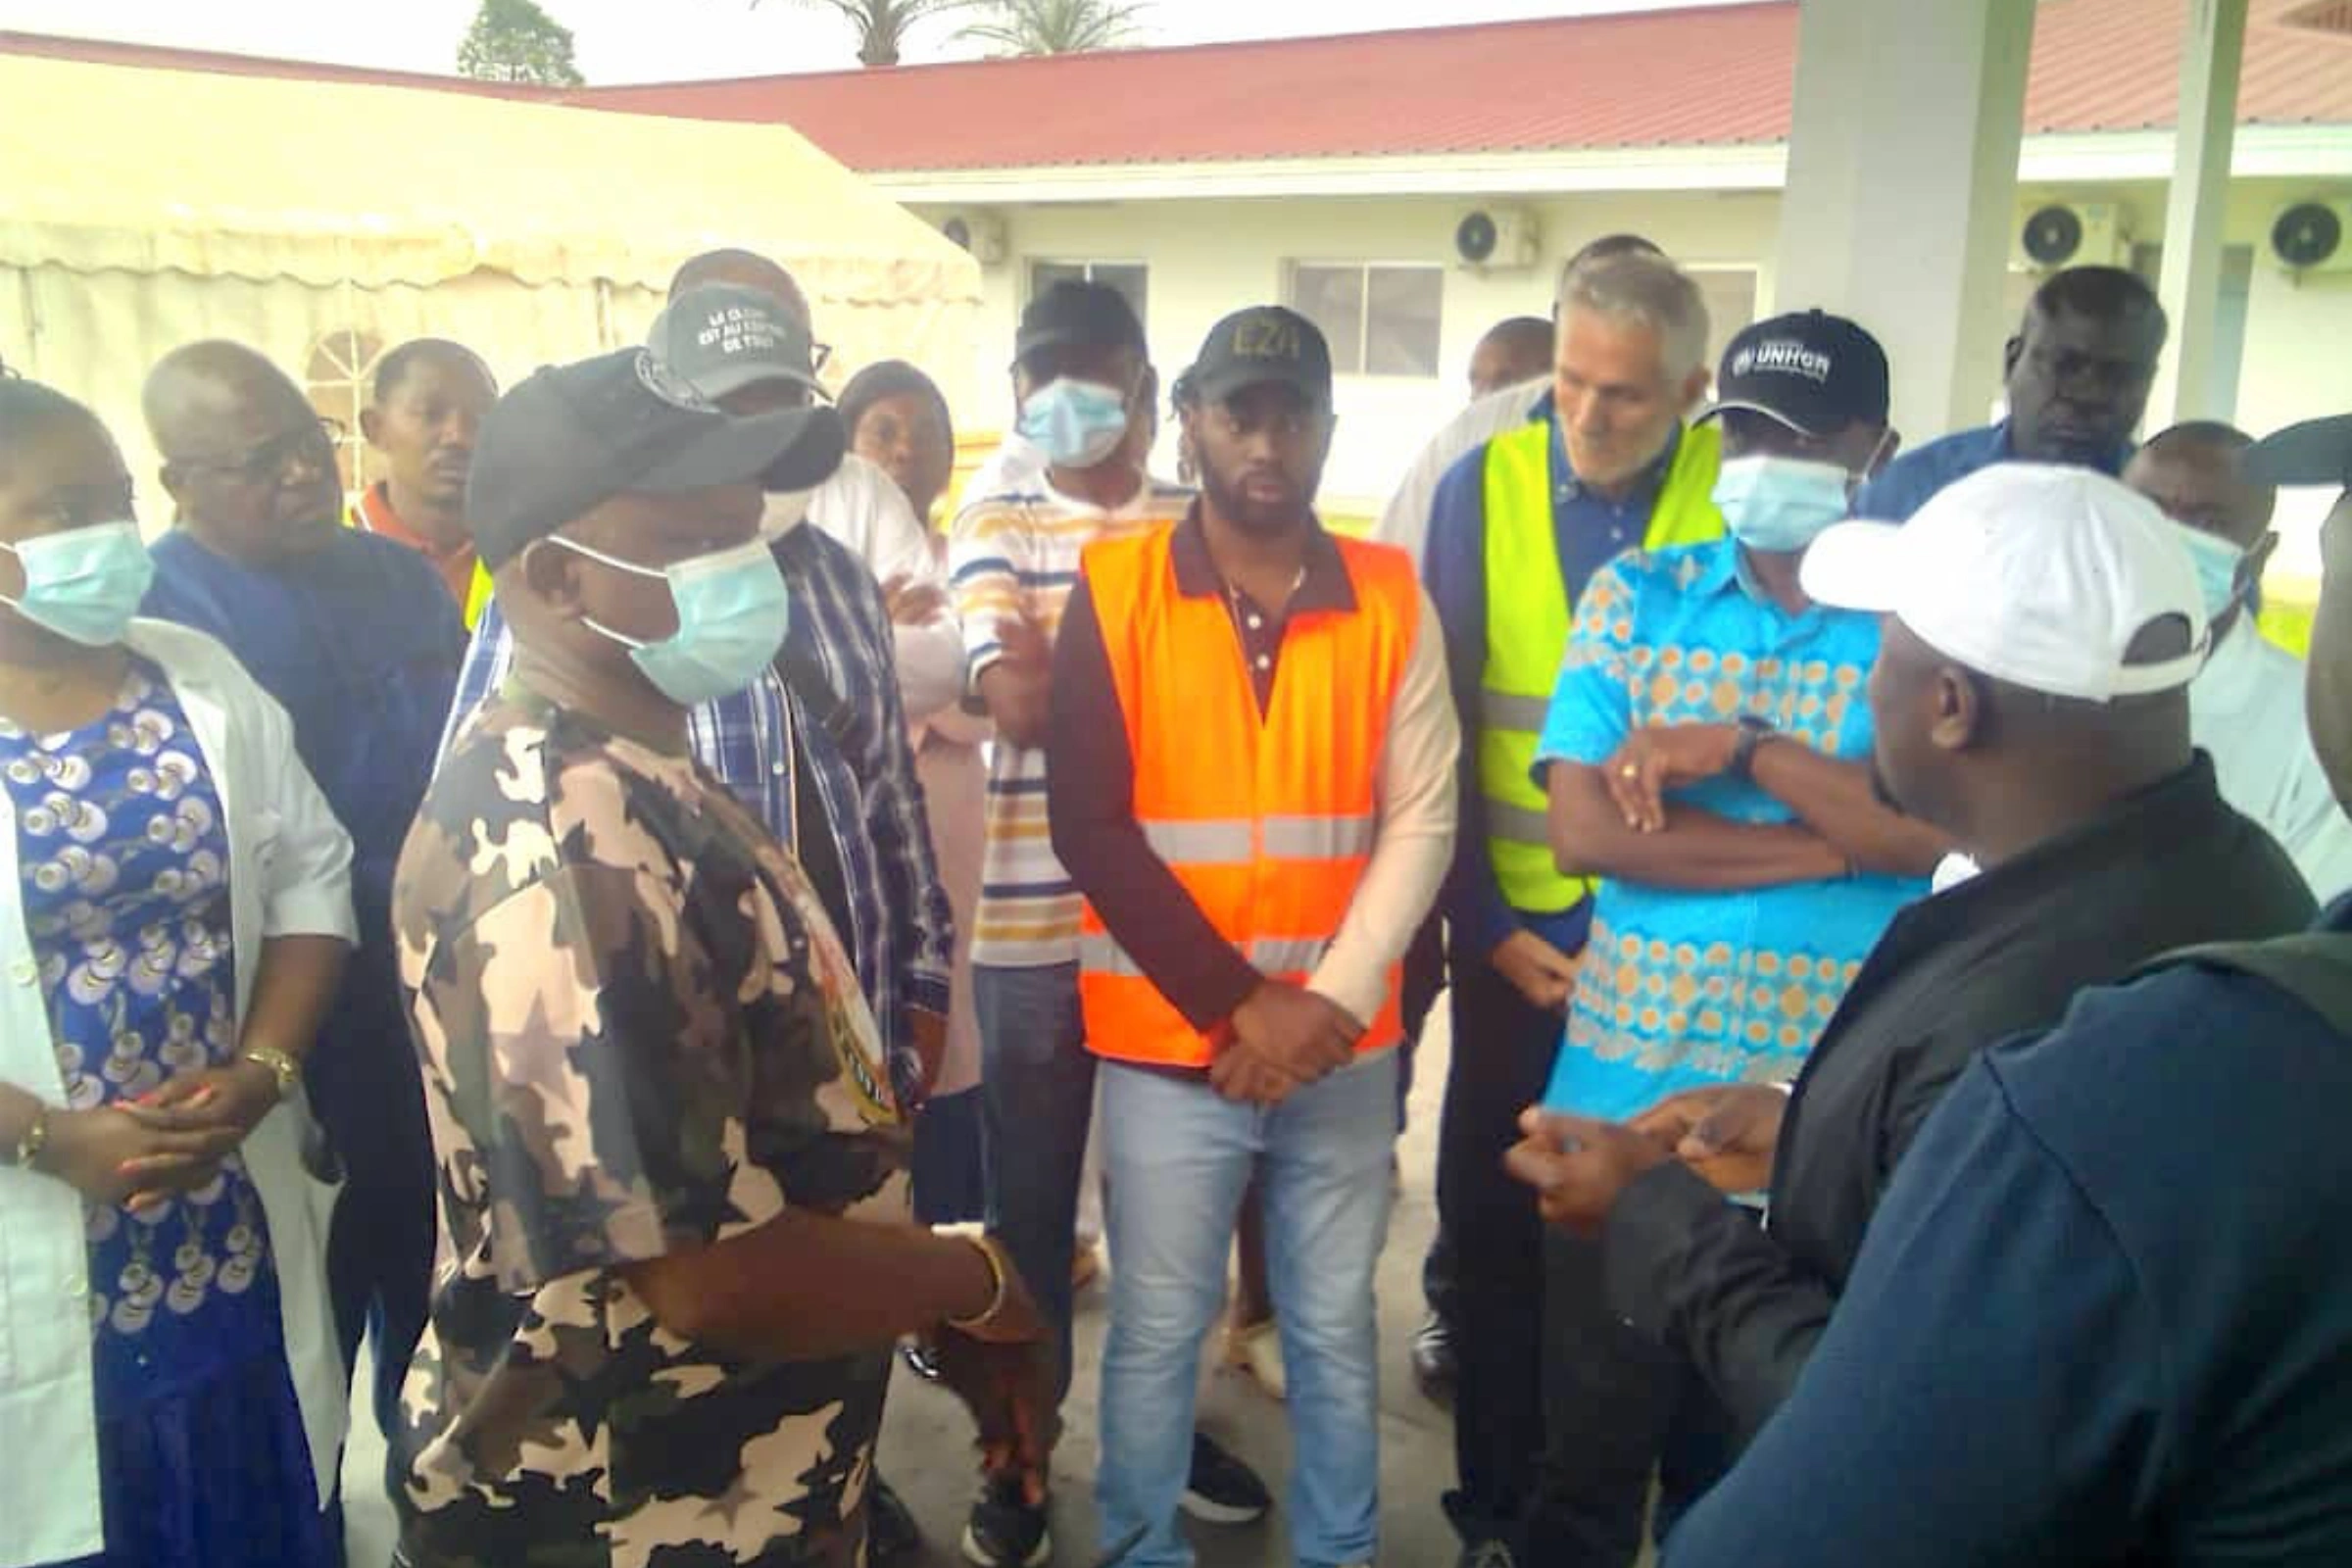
891,1531
1221,1490
1005,1532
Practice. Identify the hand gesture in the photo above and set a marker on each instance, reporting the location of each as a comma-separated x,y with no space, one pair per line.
1729,1134
1662,758
1579,1167
1007,1374
130,1156
1540,972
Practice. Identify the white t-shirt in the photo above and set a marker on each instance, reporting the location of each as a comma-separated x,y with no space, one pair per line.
1405,522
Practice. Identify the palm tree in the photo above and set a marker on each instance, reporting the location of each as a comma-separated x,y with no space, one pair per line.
883,24
1059,27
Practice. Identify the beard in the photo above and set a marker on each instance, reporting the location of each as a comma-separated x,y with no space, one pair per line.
1248,515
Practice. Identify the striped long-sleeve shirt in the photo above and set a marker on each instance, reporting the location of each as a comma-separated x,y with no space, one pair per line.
860,763
1014,556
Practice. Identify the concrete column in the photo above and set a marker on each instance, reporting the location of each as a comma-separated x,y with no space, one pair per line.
1903,186
2212,44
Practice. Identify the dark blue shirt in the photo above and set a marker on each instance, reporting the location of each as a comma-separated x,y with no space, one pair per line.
2104,1314
1588,530
360,643
1905,485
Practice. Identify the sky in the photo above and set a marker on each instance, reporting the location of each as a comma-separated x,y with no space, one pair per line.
658,41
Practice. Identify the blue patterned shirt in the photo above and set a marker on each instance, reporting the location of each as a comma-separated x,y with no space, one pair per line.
1683,988
860,764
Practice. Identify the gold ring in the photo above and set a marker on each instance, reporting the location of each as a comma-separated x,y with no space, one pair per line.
1631,771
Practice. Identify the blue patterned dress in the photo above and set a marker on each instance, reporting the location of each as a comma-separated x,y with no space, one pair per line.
123,861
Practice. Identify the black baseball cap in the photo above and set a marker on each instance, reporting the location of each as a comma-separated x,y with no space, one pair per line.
1810,370
1075,314
1265,343
572,437
2315,451
722,337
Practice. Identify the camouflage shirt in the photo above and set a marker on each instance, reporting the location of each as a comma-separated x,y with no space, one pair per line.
639,1034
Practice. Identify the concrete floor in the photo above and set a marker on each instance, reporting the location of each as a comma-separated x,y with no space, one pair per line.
926,1440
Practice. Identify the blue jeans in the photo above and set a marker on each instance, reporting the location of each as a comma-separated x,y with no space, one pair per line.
1037,1096
1178,1157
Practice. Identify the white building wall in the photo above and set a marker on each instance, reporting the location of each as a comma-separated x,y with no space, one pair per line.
1212,256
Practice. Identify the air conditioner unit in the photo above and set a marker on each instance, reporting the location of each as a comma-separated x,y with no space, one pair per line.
2055,234
981,233
2314,237
1496,239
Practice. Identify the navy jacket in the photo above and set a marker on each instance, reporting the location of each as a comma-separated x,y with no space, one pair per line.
2104,1314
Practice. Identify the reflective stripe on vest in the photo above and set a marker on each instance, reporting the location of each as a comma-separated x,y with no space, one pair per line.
1528,618
1267,820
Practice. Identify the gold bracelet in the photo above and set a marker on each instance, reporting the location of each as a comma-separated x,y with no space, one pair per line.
282,1067
34,1140
1000,1275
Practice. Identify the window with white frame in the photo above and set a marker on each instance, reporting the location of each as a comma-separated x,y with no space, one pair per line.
336,376
1380,318
1131,278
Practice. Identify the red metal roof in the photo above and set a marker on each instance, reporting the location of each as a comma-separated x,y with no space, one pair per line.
1710,75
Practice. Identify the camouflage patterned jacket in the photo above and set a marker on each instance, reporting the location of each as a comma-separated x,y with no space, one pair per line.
638,1034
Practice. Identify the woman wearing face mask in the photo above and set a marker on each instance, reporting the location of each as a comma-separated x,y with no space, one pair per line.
170,1382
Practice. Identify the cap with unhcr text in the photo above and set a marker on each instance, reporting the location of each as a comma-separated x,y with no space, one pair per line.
1075,314
1812,371
722,337
572,437
2031,573
1262,345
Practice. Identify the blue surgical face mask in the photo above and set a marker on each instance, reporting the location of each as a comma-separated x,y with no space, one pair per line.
2217,563
1076,425
83,584
733,611
1777,505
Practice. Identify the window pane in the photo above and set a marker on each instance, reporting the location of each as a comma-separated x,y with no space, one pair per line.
1042,275
1408,304
1333,298
1130,280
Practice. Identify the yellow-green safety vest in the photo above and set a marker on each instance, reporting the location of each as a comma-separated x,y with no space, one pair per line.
1528,618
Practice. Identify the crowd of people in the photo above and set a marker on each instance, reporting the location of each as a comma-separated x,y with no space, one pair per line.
652,918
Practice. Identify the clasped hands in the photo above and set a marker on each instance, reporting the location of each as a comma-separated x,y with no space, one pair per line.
1282,1038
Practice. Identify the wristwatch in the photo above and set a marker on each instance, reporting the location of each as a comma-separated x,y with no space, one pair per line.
1753,732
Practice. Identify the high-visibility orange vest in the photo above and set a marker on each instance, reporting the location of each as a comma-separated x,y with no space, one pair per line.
1267,824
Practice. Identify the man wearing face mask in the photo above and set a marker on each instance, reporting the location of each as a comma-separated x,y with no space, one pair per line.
1708,756
2076,376
359,641
675,1223
1087,392
2244,710
817,744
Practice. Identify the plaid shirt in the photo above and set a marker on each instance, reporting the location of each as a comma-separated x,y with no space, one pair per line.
863,769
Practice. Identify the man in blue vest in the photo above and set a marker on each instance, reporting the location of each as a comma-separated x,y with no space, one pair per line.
2077,377
1517,529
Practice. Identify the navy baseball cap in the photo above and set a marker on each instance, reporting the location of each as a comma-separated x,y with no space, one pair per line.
1810,370
1074,314
1265,343
572,437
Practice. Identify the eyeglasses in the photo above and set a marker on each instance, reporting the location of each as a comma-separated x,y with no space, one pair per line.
263,462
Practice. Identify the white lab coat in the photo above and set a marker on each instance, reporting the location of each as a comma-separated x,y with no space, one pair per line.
289,875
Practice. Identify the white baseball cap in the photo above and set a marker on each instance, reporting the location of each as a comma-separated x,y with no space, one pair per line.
2037,576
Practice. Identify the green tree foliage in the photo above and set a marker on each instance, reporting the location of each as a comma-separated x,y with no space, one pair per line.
883,24
513,40
1059,27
